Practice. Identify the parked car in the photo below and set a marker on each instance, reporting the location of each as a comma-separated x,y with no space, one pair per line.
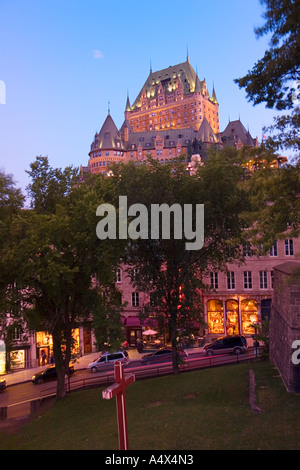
49,374
107,359
236,344
2,385
161,355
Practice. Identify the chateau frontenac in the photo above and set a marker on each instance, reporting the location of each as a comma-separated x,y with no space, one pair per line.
173,114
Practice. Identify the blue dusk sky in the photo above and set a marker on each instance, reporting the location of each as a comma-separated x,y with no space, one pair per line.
61,61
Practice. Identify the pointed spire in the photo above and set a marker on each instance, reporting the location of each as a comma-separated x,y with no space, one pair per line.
108,107
187,53
127,107
214,96
150,66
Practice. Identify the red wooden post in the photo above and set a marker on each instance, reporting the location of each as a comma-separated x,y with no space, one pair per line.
118,390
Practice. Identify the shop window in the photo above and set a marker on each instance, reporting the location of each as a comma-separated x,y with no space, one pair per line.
232,317
215,316
249,315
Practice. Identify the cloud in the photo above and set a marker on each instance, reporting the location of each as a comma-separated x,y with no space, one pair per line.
97,54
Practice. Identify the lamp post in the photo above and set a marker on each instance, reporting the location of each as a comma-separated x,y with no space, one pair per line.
255,337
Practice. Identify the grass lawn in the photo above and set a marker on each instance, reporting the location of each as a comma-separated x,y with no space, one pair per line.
206,409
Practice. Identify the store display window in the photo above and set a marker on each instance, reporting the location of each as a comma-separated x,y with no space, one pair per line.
249,314
215,316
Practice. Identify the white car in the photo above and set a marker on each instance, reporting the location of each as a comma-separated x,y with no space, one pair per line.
108,359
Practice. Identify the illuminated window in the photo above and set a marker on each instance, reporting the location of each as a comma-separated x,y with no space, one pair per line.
249,315
215,316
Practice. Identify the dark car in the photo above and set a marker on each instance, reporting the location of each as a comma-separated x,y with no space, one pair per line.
162,355
2,385
236,344
48,374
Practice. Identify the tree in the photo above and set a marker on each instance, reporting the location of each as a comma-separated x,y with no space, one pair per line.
48,185
165,267
11,202
274,203
62,265
275,79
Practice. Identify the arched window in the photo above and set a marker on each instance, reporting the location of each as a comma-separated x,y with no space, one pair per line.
249,315
215,316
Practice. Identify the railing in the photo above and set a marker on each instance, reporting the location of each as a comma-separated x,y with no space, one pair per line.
141,372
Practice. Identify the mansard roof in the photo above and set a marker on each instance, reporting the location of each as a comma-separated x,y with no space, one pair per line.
236,131
183,71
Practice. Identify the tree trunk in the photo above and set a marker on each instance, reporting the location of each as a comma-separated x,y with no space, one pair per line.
173,336
60,368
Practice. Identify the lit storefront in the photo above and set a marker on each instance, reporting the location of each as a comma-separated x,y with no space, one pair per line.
232,316
17,359
215,317
249,315
2,357
44,346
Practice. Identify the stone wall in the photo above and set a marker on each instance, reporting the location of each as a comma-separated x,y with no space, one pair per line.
285,323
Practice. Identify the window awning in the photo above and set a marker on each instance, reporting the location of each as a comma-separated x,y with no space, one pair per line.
133,322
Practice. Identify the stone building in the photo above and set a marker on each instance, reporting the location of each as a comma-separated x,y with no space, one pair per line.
285,324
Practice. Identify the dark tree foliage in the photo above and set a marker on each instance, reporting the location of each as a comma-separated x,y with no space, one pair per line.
275,79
